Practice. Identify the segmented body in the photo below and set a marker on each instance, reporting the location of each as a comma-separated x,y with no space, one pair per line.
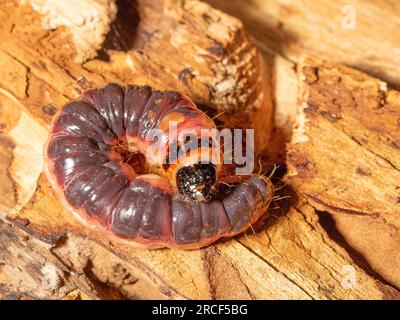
107,194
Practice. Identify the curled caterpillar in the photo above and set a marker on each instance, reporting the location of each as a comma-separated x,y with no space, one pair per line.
102,161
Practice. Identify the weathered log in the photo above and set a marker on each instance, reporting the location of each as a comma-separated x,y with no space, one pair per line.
30,269
344,158
290,255
80,18
291,28
357,33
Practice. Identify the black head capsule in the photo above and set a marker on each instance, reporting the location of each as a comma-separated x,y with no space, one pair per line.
197,181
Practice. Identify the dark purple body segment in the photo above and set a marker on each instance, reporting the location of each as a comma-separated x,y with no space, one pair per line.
193,221
242,203
109,102
89,177
135,96
143,210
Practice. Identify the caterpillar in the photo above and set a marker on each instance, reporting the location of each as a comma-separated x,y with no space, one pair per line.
106,167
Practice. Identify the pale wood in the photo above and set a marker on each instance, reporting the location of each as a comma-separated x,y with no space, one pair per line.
30,269
344,157
294,27
81,18
291,27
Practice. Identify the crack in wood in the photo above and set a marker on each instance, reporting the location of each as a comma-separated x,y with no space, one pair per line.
286,276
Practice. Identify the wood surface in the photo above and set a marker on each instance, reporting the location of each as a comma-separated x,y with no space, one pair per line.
304,248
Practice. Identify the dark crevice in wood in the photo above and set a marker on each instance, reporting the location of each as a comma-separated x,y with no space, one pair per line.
328,223
122,32
104,290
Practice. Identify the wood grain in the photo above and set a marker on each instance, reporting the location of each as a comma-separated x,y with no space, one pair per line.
291,27
344,157
289,255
